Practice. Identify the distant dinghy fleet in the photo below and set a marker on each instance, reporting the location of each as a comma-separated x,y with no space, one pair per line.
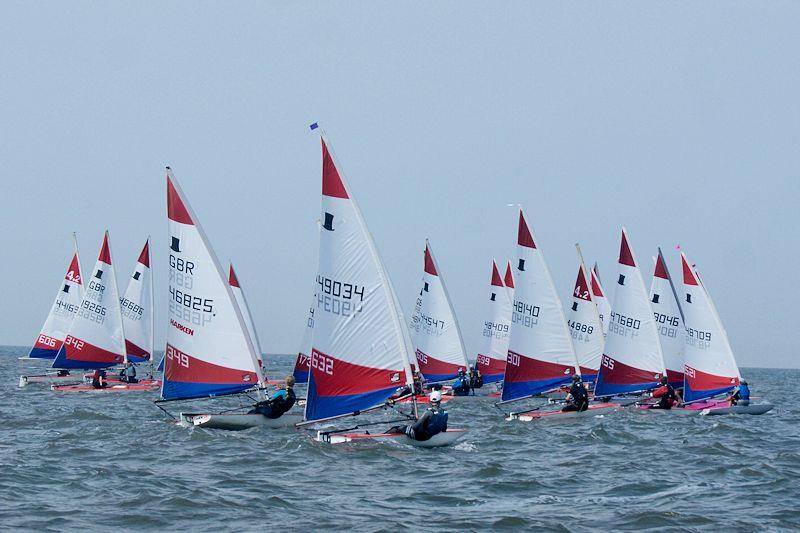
359,352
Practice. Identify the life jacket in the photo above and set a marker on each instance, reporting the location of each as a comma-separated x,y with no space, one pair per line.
436,423
579,394
744,392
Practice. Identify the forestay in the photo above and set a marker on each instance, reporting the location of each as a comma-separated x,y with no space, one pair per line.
137,310
491,358
583,318
435,334
632,359
360,354
62,313
668,316
303,361
96,337
710,367
208,349
540,353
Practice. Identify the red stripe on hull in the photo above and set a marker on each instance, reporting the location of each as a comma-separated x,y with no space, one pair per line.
334,377
82,351
616,373
530,369
179,366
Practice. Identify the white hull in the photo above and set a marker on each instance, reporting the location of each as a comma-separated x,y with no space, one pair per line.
49,379
446,438
237,421
758,409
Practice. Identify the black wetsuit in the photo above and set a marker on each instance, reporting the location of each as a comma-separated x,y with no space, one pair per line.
276,406
580,398
475,379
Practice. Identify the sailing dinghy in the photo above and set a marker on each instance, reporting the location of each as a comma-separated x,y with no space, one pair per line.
586,328
96,338
632,361
669,321
137,310
541,356
209,351
710,368
56,326
360,352
439,347
491,358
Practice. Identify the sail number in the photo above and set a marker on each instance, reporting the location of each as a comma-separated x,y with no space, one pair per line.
339,298
512,358
607,362
495,330
525,314
339,289
196,303
482,360
178,357
698,338
322,362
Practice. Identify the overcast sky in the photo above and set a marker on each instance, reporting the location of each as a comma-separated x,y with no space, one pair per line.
680,120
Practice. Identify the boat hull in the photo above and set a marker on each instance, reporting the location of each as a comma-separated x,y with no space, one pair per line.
237,421
445,438
49,378
113,387
715,409
594,409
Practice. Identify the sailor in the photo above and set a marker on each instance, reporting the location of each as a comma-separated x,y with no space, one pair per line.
666,394
432,422
281,401
475,378
742,394
128,374
577,397
461,384
99,379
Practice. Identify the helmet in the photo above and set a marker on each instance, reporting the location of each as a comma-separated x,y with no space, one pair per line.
664,380
436,396
743,382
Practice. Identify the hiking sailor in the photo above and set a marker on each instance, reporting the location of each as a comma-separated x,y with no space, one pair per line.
432,422
281,401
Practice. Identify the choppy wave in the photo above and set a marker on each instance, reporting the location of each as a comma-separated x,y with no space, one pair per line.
72,461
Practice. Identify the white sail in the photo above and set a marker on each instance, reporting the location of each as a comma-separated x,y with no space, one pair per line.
632,359
241,301
302,363
208,350
360,353
62,312
434,329
540,352
96,337
493,351
586,328
600,298
710,367
669,322
137,310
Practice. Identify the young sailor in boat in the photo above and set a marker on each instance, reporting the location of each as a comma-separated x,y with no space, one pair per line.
577,397
742,395
461,384
281,401
475,378
431,423
667,395
128,374
99,379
